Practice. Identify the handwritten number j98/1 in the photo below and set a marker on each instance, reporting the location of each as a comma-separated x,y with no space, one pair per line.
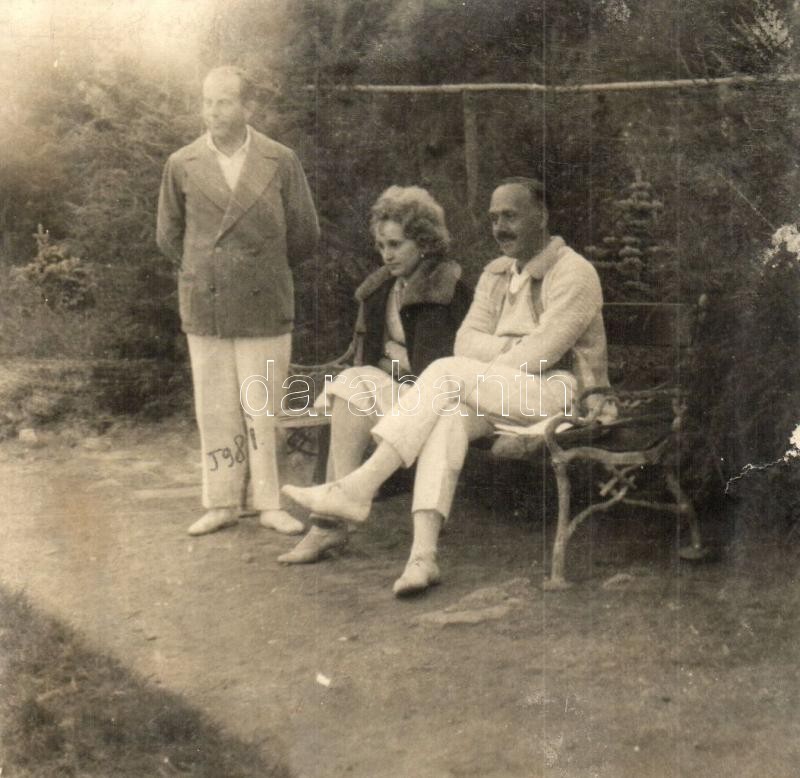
237,457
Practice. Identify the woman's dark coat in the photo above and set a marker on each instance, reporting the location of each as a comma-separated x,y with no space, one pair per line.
435,302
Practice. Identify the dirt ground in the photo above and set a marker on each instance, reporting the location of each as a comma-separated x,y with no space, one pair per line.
665,671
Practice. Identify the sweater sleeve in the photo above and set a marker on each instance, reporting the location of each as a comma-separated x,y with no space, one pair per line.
573,300
475,338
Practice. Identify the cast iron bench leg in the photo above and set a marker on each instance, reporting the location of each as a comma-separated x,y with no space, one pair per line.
563,530
696,550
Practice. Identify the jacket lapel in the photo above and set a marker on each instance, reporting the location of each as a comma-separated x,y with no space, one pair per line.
206,175
257,171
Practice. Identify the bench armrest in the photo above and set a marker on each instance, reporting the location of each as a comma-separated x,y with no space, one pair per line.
606,407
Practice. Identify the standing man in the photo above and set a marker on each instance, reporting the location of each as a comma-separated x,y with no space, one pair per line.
236,214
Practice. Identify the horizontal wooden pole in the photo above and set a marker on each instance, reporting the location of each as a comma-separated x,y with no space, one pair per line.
613,86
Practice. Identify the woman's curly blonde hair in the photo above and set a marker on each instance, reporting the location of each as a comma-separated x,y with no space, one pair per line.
421,217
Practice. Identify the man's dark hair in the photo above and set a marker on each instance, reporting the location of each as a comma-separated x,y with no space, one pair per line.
247,89
533,185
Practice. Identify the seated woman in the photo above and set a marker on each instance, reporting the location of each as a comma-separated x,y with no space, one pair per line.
409,312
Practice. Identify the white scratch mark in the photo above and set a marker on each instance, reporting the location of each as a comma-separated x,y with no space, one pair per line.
793,452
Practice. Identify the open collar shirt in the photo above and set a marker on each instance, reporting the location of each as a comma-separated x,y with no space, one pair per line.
231,165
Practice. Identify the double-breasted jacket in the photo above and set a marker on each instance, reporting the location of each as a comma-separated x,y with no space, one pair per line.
235,249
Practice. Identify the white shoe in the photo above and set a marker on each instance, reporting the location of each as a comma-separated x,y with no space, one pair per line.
281,522
315,545
213,520
328,499
421,572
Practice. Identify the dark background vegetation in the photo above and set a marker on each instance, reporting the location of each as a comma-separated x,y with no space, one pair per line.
714,169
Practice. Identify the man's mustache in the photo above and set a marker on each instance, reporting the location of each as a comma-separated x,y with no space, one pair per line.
505,236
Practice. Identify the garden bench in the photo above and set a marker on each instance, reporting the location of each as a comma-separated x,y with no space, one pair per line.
646,432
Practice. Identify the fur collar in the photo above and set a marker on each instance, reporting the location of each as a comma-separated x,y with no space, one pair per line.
431,282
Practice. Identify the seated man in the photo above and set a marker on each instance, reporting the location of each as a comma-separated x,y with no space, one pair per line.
537,309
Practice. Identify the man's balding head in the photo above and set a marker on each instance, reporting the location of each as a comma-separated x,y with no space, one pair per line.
227,106
246,89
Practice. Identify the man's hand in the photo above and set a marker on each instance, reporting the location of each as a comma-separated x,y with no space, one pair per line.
511,341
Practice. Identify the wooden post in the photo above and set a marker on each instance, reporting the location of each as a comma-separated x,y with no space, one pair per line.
471,159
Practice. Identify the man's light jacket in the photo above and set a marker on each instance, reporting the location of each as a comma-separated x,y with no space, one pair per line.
236,249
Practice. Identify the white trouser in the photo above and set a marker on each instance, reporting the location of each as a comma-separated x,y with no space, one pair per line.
441,459
355,401
456,400
235,445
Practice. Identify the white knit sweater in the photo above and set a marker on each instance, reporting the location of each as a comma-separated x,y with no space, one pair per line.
570,323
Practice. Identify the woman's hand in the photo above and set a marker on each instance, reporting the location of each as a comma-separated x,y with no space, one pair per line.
395,352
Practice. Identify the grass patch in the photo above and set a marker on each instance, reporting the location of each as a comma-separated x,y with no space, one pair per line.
66,710
46,392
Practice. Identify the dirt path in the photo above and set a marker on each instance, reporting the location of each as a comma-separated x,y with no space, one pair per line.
672,673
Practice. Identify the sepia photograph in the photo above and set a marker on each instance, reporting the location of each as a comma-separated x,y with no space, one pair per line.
400,388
